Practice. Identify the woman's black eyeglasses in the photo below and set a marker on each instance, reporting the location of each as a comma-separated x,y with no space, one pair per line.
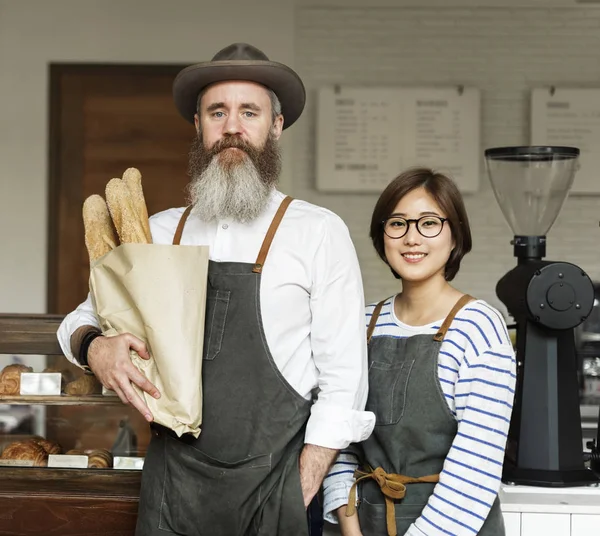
428,226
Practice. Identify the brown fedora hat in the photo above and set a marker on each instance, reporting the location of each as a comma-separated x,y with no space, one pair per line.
240,61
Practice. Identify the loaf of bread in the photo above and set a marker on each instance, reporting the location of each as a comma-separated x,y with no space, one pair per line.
26,450
133,179
124,214
85,385
10,379
100,235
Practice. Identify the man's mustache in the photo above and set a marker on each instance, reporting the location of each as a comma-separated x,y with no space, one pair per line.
232,142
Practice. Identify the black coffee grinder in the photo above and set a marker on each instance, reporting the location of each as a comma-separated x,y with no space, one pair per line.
548,300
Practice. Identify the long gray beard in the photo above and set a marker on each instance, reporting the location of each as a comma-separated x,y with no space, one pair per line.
229,191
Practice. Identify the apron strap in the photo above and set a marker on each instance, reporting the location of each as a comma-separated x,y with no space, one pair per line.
392,486
373,321
181,225
463,300
264,249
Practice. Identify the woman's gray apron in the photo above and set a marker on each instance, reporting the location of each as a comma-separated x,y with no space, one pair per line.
241,476
413,433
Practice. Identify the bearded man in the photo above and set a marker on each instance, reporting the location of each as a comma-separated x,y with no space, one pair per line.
284,358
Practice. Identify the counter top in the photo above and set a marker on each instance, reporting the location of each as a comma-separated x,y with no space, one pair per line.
576,500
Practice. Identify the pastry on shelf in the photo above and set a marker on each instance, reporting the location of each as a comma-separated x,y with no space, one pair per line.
76,452
99,459
85,385
50,447
25,451
10,379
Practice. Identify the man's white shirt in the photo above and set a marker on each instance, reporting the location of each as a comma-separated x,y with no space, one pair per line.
312,307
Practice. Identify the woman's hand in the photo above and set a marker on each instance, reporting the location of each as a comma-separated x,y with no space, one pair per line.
349,526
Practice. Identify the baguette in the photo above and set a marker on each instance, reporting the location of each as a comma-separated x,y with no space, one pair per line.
120,204
111,193
133,179
100,236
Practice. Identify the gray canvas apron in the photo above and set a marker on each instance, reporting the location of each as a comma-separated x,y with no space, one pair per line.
241,476
413,433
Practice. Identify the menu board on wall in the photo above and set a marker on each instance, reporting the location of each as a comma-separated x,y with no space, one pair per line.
570,117
367,136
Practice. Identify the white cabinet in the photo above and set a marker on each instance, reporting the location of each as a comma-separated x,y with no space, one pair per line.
512,523
530,511
545,524
585,525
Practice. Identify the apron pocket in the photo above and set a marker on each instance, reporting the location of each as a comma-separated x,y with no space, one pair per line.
373,520
202,496
282,510
217,303
387,392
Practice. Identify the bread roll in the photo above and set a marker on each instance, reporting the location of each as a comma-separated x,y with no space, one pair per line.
85,385
133,179
100,236
127,222
26,450
75,452
10,379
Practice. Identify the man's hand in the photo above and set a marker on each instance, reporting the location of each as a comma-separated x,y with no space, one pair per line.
109,359
314,464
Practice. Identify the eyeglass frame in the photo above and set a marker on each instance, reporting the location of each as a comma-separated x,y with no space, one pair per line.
416,222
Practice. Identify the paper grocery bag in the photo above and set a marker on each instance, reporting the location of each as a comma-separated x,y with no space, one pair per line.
158,293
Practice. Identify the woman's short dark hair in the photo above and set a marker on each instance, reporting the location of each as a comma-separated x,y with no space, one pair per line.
445,193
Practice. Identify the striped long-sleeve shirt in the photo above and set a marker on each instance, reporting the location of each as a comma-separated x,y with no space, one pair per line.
477,372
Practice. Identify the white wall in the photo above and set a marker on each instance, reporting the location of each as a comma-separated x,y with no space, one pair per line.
503,47
505,51
36,33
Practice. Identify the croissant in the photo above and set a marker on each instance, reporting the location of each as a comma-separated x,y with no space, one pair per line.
75,452
49,446
99,458
85,385
10,379
26,450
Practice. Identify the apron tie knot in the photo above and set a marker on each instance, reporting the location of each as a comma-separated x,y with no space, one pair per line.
392,486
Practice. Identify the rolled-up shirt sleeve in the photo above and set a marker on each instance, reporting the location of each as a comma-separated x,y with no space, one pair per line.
84,315
338,341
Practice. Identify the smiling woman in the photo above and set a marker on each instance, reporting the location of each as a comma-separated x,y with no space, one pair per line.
424,193
441,381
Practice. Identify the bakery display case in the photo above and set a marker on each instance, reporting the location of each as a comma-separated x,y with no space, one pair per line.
70,454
